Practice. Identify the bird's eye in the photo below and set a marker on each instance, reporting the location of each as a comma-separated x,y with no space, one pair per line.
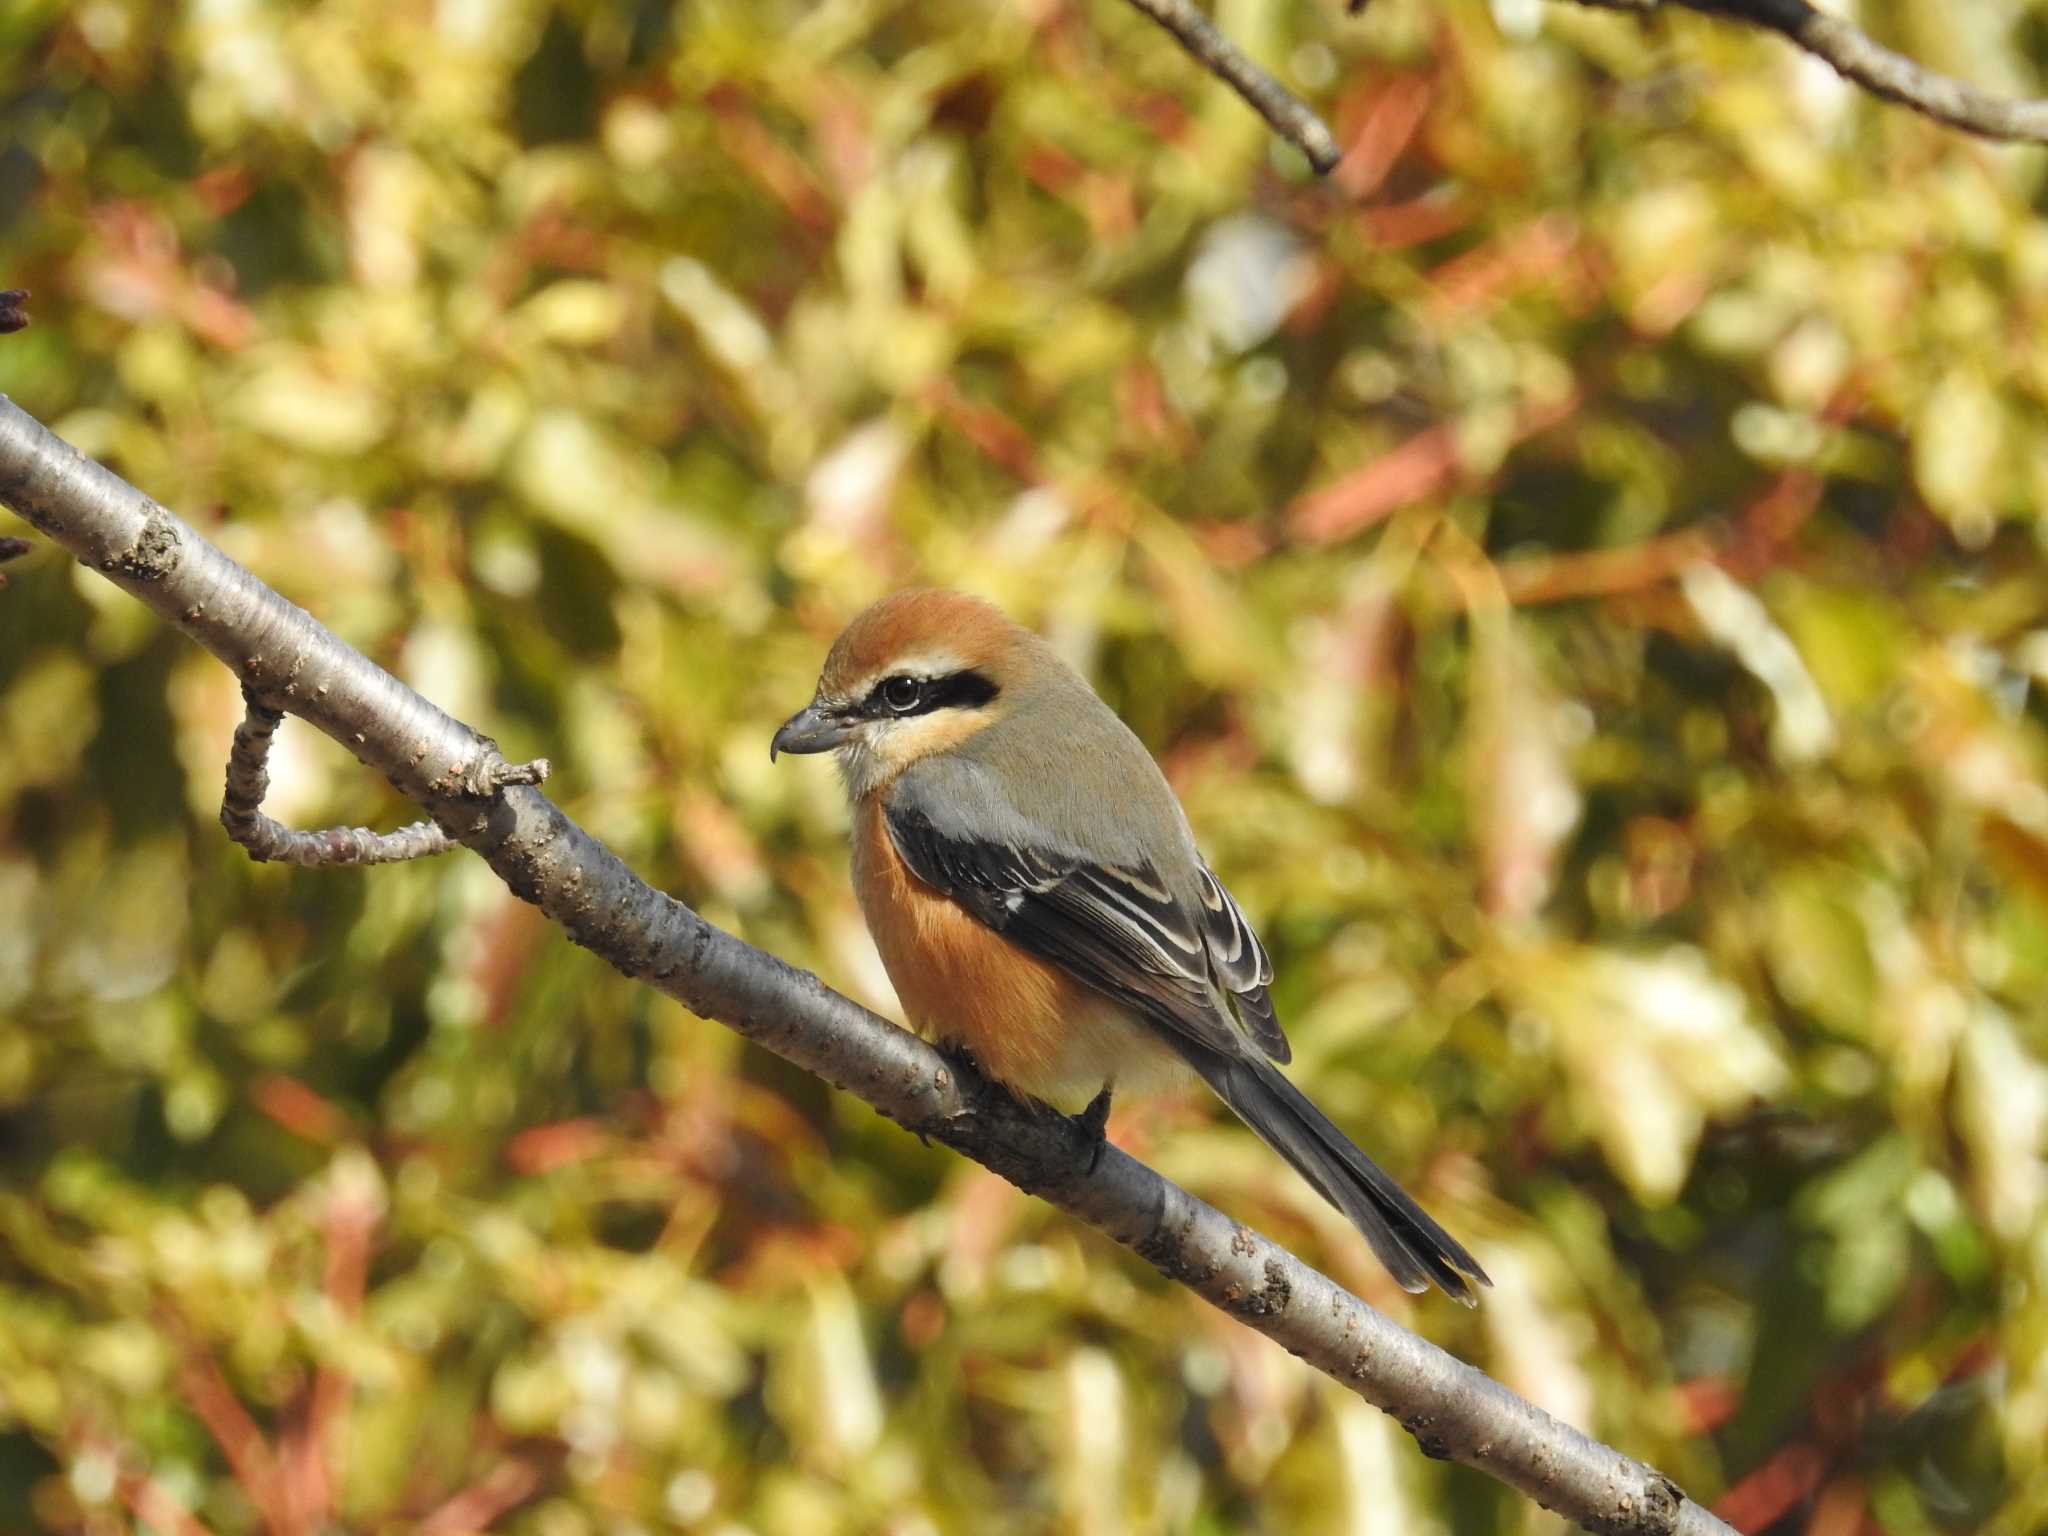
902,693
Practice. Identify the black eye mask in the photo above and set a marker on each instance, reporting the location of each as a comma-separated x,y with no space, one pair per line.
900,696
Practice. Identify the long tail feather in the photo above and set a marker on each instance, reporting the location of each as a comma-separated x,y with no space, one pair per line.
1403,1235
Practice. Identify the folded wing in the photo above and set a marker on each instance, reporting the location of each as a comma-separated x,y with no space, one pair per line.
1115,926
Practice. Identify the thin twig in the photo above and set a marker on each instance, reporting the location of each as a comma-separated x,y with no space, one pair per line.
280,652
1859,58
271,841
1292,118
1856,56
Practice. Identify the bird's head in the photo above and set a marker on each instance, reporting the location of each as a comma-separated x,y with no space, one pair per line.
918,673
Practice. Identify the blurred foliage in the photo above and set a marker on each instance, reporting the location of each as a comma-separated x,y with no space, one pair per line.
1581,566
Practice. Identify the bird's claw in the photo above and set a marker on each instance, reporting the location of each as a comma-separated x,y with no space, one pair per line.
1095,1121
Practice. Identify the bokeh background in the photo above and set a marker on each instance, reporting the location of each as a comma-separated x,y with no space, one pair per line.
1581,566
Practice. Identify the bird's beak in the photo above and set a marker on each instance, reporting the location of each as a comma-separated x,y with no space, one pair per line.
810,729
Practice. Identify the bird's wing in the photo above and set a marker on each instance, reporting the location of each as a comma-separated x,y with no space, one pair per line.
1113,924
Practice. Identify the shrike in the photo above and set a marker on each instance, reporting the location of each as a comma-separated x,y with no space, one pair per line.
1035,891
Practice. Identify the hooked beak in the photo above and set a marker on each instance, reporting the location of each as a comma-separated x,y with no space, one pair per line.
810,729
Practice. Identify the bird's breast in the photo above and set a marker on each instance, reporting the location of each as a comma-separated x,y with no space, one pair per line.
1029,1023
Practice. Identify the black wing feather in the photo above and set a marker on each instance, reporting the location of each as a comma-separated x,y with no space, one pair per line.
1116,928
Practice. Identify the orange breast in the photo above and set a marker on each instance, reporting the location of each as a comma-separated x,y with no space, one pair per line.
1027,1022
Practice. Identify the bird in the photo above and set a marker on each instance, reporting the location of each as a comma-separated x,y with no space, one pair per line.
1033,887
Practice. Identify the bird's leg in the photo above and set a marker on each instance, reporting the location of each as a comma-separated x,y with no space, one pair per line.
1095,1121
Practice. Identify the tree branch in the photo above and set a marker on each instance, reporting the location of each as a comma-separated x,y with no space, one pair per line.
284,656
1853,54
1859,58
266,840
1292,118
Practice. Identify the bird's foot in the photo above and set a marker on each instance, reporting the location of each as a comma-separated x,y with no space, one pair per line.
1095,1121
957,1056
956,1052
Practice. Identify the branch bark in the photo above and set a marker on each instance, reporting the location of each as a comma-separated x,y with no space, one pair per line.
285,657
1862,60
1852,53
1292,118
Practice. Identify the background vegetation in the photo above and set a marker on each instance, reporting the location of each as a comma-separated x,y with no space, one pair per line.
1580,565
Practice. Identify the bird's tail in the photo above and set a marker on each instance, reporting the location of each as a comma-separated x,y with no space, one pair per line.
1403,1235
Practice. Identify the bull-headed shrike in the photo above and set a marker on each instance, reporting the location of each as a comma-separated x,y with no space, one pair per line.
1035,891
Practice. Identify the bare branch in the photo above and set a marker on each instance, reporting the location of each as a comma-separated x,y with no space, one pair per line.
268,840
1292,118
1855,56
1852,53
1859,58
283,654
